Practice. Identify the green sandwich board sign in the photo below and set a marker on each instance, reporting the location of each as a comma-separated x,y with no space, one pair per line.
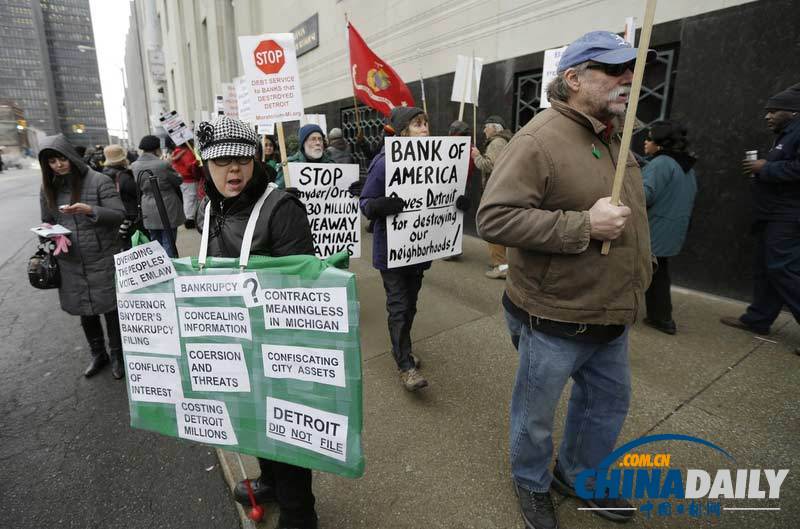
264,360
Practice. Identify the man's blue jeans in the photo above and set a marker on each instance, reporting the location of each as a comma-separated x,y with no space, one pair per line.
597,407
162,237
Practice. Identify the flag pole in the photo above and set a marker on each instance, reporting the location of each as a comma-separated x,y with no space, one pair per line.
633,103
463,97
350,74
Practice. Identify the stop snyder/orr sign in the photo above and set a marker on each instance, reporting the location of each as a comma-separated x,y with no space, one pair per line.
269,57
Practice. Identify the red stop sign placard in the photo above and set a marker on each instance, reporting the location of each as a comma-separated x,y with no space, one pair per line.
269,56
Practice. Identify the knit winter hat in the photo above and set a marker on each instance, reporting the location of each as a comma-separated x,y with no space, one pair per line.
495,119
788,99
335,133
308,130
150,143
458,128
225,137
401,117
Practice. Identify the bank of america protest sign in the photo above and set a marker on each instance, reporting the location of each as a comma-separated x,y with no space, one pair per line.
264,361
332,212
429,174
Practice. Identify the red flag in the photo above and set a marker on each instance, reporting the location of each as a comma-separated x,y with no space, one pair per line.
375,83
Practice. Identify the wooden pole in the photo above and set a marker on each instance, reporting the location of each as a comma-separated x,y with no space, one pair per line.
422,84
474,101
282,146
633,103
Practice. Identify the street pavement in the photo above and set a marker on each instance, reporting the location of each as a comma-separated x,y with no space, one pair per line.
435,459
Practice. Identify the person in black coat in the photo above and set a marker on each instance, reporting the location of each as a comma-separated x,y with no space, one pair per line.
117,168
234,181
775,186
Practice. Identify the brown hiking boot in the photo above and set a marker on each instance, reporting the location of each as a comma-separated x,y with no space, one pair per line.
412,379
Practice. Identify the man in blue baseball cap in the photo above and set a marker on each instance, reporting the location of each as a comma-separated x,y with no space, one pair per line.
568,307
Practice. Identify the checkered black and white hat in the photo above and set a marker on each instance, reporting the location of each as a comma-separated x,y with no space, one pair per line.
225,137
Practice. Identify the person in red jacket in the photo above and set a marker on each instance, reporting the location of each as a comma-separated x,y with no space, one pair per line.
185,164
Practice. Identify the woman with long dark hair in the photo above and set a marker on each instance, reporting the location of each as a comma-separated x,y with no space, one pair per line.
87,203
670,186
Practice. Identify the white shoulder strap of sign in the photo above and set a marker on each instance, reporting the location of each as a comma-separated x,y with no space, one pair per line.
247,239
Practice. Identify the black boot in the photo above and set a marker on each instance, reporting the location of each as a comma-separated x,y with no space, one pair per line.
99,357
117,364
262,491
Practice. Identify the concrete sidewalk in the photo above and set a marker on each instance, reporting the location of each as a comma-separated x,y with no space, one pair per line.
439,458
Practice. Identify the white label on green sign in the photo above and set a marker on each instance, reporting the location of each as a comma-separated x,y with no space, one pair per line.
206,421
306,309
152,379
316,430
148,323
217,367
233,322
325,366
211,286
143,266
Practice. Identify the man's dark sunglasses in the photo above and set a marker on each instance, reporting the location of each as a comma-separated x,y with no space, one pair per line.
614,70
227,160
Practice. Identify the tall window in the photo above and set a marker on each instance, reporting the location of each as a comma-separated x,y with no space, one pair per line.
371,122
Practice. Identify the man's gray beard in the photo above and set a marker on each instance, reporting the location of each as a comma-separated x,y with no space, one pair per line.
315,154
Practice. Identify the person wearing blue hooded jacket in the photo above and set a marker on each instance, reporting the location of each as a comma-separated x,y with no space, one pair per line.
402,285
670,187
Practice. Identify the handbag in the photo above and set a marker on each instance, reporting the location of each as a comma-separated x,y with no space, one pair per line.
43,270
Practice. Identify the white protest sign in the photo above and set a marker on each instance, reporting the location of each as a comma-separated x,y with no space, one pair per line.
630,31
332,212
270,66
243,100
306,309
230,106
175,127
206,421
142,266
219,105
325,366
429,174
148,323
316,430
465,78
153,379
233,322
213,286
217,367
549,72
316,119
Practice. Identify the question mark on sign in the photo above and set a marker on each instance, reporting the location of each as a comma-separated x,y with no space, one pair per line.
253,288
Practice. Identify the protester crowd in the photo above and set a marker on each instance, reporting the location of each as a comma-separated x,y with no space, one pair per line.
544,213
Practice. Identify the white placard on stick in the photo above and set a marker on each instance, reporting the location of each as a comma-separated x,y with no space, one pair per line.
332,212
429,174
230,105
177,129
142,266
243,99
270,66
549,72
465,79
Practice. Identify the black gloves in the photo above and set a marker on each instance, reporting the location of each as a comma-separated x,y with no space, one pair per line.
463,203
293,191
385,206
356,187
124,229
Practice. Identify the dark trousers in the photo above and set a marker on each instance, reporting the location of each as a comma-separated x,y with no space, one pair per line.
402,290
658,297
292,485
776,274
162,236
94,333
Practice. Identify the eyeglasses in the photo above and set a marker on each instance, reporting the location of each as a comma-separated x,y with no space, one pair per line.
614,70
227,160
